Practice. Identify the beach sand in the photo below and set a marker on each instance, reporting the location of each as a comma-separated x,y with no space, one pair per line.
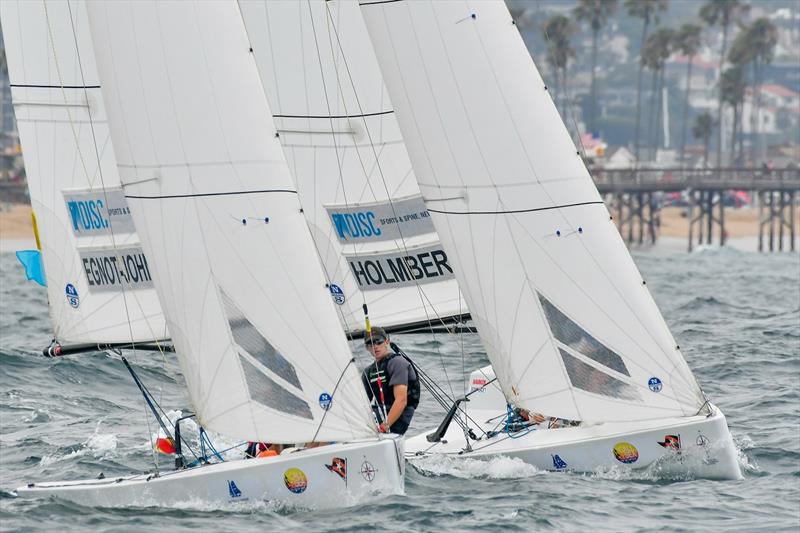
15,222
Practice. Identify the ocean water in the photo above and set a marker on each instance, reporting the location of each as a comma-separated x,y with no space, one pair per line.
735,314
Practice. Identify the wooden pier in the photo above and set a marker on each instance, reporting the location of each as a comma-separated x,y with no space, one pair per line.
636,196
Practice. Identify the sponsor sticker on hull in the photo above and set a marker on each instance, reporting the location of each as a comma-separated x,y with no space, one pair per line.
625,452
295,480
339,467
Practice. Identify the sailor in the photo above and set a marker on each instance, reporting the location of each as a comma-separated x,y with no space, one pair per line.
391,382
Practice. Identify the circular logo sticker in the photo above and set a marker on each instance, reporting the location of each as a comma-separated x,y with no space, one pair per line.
72,295
655,384
337,294
325,400
625,452
296,480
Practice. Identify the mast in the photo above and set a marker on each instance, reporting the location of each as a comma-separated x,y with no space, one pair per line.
337,127
99,281
255,331
565,317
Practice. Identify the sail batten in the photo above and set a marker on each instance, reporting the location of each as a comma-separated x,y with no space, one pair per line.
254,328
560,307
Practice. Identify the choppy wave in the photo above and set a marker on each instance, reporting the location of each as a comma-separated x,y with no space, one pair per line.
736,316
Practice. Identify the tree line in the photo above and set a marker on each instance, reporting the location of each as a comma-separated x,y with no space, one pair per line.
740,62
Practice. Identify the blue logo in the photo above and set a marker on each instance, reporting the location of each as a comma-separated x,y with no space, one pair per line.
355,225
72,295
337,293
654,384
233,490
558,462
87,215
325,401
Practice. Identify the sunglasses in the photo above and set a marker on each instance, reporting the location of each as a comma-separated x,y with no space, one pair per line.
375,339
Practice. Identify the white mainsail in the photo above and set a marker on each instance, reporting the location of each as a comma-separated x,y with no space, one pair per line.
336,124
252,322
567,322
99,282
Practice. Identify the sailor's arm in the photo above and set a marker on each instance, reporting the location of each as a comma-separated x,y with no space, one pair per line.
400,402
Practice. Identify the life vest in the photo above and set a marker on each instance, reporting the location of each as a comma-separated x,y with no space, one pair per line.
414,389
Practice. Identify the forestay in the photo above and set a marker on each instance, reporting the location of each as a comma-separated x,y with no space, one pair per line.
341,139
253,324
99,281
567,322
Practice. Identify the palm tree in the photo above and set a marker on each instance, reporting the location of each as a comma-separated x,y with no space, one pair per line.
557,32
657,50
688,41
755,45
722,13
731,87
702,129
595,13
647,10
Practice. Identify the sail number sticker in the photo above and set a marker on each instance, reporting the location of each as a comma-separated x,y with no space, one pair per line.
424,264
96,212
110,269
381,221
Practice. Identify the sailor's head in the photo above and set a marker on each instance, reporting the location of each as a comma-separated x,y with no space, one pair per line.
376,341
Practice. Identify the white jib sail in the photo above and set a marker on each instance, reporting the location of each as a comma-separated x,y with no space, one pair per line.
344,148
567,322
253,324
99,282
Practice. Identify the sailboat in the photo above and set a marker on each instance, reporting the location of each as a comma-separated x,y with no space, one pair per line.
256,334
566,319
334,120
99,282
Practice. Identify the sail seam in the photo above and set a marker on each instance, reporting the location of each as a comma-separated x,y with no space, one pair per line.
199,195
511,211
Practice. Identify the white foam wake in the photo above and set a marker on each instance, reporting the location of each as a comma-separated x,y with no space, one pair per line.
500,467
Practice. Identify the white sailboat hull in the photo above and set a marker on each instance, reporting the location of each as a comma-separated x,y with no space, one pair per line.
302,479
698,446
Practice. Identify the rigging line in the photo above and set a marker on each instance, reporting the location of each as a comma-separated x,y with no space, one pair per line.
333,395
99,172
385,186
413,117
377,165
333,136
514,211
316,248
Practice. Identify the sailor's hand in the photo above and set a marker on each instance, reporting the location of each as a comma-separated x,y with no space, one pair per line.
537,418
383,428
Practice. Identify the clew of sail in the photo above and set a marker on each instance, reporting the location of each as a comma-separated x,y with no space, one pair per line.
259,343
99,281
567,322
343,145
